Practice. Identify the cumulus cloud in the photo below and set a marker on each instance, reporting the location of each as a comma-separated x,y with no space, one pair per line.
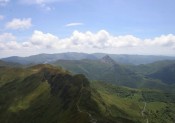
101,41
164,40
4,2
7,41
7,37
73,24
42,40
17,23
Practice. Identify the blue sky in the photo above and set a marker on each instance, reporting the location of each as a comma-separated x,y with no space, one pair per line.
112,26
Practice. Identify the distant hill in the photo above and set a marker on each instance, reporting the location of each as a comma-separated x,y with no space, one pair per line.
10,64
108,60
46,58
119,58
134,59
147,69
109,71
165,74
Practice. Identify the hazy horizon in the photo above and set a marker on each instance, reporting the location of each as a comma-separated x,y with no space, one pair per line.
86,53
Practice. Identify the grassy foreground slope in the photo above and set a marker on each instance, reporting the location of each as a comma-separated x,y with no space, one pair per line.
45,94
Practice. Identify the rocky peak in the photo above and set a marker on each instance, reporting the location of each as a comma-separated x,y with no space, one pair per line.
107,59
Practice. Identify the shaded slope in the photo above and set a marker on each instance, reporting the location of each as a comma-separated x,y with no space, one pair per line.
166,74
146,69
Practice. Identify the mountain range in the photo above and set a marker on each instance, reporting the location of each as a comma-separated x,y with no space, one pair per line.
86,89
119,58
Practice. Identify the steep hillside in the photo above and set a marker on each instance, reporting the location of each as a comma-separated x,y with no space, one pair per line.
45,94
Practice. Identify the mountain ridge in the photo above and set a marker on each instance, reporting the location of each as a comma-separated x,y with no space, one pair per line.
50,94
119,58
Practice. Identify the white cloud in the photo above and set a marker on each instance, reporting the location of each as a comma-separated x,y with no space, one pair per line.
42,40
7,41
1,17
4,2
7,37
17,23
73,24
102,41
163,40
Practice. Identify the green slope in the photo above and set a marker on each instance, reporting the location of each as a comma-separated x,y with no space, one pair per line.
165,74
45,94
159,105
110,72
146,69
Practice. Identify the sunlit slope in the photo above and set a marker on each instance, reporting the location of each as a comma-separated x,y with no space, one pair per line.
139,105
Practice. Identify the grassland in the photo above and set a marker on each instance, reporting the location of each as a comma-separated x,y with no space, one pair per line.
159,108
